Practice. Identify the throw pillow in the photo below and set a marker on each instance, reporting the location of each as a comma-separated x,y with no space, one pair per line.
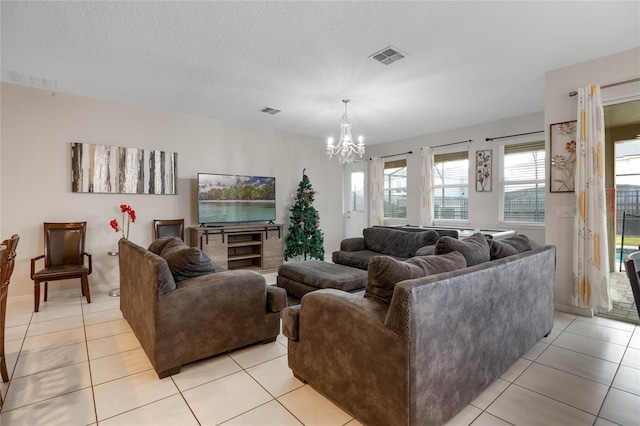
508,247
394,242
475,248
385,272
173,244
186,262
158,245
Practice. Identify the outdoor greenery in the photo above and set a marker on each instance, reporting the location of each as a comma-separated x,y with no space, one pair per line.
628,240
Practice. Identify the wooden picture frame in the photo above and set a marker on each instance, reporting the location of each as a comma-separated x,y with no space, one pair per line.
484,170
562,161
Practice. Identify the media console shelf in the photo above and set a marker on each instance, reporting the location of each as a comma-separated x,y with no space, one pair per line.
250,246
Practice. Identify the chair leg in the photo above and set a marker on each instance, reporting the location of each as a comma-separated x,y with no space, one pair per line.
36,295
3,360
3,368
85,288
46,290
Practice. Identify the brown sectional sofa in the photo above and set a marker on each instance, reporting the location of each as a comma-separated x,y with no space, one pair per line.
399,243
204,313
439,343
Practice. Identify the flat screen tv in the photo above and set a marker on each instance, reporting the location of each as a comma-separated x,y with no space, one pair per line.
224,199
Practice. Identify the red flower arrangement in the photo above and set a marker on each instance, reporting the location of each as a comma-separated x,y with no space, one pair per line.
131,218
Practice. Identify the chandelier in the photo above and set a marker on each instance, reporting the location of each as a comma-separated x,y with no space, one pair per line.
346,149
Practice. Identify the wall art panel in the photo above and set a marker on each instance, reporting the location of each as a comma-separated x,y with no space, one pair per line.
119,170
563,156
483,170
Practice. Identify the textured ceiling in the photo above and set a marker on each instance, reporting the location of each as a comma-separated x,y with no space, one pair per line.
466,63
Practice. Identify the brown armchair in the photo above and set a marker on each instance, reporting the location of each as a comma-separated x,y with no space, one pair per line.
168,228
178,322
63,256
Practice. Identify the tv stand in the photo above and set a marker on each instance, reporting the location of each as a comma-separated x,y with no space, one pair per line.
248,246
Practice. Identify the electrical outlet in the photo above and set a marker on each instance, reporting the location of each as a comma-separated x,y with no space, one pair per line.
564,211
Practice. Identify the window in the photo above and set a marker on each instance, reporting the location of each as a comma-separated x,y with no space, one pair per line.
523,182
451,185
395,189
356,202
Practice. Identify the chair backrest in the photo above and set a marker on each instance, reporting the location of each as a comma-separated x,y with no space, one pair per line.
168,228
632,266
7,260
64,243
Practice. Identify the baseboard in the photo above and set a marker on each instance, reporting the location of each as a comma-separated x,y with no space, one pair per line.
584,312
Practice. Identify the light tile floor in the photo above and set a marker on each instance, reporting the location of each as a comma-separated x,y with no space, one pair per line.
77,363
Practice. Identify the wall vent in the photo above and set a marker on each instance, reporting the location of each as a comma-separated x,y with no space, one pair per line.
388,55
269,110
33,80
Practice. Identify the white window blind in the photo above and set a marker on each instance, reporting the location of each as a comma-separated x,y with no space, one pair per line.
523,182
395,189
451,185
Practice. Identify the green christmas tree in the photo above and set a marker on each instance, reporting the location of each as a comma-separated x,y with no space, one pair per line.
304,237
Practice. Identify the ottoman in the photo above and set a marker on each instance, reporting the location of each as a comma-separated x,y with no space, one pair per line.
300,278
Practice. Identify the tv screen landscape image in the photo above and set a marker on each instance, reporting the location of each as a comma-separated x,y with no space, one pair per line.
235,198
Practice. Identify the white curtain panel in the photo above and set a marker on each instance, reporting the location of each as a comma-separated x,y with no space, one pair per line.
590,263
426,188
376,213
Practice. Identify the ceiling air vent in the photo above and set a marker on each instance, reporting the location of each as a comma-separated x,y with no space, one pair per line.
269,110
388,56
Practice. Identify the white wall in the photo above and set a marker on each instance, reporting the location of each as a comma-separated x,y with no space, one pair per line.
483,206
560,107
38,126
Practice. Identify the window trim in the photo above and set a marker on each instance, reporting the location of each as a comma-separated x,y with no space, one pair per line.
501,185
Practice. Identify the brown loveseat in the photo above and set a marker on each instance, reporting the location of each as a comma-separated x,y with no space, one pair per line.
437,344
198,316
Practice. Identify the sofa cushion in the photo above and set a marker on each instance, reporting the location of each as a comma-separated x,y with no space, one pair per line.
426,250
508,247
186,262
385,272
356,259
475,248
394,242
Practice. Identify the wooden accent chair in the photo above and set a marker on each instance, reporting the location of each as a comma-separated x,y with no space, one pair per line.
7,262
63,258
632,266
168,228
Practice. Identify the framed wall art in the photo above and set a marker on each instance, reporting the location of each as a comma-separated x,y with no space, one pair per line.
483,170
119,170
562,141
